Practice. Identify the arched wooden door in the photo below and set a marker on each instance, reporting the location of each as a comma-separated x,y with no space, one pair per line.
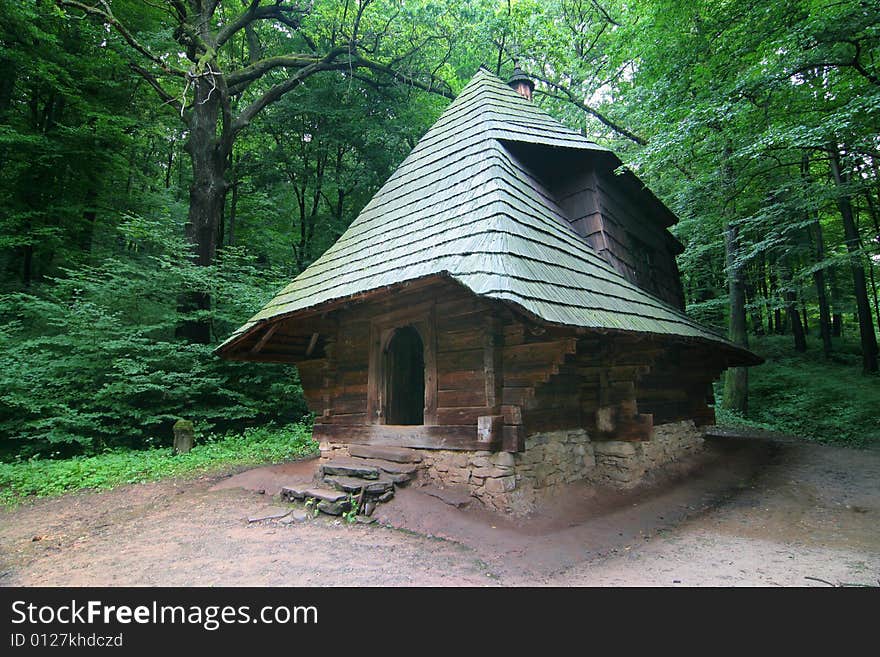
404,370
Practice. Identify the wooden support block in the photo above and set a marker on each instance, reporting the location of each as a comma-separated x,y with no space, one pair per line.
513,438
606,419
512,414
489,428
263,340
638,428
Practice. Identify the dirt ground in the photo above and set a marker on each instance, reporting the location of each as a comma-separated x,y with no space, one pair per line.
749,512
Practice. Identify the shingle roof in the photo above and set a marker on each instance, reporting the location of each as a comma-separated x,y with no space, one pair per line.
460,205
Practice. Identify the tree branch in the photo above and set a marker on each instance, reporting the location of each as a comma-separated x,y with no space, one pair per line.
166,97
107,17
359,62
263,66
571,98
325,64
289,15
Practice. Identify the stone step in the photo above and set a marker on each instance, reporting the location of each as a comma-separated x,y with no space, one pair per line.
333,508
305,491
399,479
391,467
350,468
354,485
396,454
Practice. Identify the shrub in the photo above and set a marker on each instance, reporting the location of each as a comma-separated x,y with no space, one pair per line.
91,360
805,395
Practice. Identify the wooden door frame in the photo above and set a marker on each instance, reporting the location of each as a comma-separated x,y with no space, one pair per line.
382,327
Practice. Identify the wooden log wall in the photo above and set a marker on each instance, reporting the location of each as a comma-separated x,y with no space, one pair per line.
613,223
619,387
679,386
472,362
626,222
499,376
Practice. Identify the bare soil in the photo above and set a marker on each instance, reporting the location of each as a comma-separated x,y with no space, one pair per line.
748,512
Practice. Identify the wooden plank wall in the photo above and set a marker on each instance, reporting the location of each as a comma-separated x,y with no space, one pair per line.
679,386
491,362
488,364
608,216
465,358
636,377
623,217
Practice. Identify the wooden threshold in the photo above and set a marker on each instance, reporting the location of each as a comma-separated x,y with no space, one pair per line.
457,438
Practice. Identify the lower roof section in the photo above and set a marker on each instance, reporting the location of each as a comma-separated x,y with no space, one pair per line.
239,345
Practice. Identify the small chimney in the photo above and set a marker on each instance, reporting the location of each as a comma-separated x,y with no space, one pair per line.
521,83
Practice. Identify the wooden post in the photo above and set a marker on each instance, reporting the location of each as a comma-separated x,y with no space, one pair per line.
183,436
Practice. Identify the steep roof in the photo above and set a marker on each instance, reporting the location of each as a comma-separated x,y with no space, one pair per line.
461,205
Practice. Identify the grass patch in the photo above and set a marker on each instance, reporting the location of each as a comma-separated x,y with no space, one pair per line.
44,477
806,395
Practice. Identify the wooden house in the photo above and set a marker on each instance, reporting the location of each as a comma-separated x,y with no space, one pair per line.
505,304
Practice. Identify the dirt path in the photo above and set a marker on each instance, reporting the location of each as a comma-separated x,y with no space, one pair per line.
750,513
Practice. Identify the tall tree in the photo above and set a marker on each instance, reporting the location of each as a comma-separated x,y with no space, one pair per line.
853,245
219,64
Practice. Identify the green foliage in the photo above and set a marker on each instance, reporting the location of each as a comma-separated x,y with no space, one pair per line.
37,477
726,99
805,395
92,360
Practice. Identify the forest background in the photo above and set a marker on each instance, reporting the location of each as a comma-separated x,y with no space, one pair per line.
167,165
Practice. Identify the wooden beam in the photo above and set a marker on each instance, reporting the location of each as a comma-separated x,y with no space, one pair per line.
312,344
262,342
489,428
493,363
451,437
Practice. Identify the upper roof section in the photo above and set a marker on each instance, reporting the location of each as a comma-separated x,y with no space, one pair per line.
461,205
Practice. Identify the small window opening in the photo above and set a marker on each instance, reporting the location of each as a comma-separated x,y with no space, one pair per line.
405,378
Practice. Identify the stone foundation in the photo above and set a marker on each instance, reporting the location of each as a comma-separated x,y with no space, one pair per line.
625,464
488,476
516,483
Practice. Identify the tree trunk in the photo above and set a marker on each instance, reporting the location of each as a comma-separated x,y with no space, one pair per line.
797,328
814,233
736,379
866,324
792,316
207,196
233,210
169,164
872,210
766,293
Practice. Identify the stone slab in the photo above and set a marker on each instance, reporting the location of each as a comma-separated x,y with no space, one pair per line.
391,467
396,454
323,494
354,485
297,515
296,490
332,508
350,468
398,479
